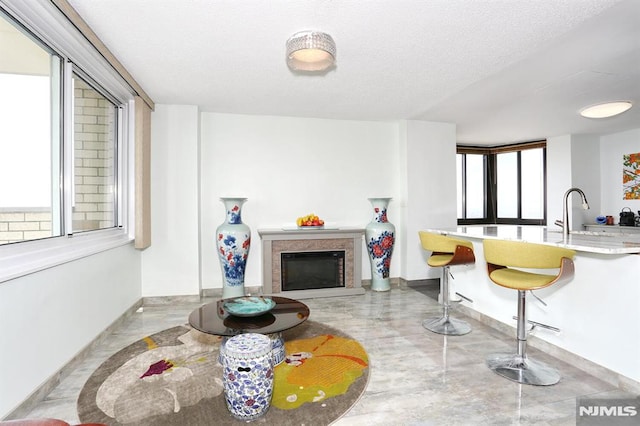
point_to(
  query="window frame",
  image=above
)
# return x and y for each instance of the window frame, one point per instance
(71, 74)
(53, 30)
(490, 183)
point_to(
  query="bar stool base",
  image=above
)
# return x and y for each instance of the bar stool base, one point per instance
(523, 370)
(449, 326)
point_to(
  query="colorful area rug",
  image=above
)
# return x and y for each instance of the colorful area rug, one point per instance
(173, 378)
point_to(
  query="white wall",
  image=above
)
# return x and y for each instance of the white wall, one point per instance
(288, 167)
(593, 164)
(573, 161)
(46, 318)
(558, 175)
(170, 265)
(585, 174)
(429, 159)
(612, 148)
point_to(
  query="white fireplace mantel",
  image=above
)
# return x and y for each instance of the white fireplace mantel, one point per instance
(288, 240)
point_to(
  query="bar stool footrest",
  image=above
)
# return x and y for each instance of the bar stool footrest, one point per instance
(447, 325)
(522, 369)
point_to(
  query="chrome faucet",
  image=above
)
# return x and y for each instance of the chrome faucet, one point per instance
(565, 210)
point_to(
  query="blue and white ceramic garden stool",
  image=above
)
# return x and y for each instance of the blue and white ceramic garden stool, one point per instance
(277, 348)
(247, 364)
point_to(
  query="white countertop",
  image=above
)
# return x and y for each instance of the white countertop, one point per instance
(585, 241)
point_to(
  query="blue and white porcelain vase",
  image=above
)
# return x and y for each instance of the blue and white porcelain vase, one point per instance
(233, 240)
(380, 237)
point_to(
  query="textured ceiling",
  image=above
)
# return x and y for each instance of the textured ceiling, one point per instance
(502, 70)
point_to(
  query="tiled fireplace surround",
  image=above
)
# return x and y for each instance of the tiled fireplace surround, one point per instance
(277, 241)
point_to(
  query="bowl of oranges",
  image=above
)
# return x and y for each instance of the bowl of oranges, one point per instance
(309, 221)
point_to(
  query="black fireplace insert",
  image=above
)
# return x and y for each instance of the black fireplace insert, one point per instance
(312, 270)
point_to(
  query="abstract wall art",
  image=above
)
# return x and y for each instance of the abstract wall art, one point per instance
(631, 176)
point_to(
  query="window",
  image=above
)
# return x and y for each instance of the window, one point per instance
(66, 121)
(471, 187)
(505, 185)
(94, 154)
(29, 137)
(38, 183)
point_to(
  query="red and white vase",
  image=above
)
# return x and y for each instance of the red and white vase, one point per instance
(233, 240)
(380, 238)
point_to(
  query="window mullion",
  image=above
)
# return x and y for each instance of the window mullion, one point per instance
(120, 172)
(464, 185)
(57, 126)
(68, 184)
(491, 185)
(519, 184)
(544, 185)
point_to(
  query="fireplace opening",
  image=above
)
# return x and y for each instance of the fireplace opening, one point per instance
(312, 270)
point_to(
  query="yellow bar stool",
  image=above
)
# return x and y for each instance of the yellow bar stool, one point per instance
(446, 251)
(504, 258)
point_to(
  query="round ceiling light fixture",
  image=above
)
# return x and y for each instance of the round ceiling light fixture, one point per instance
(605, 110)
(311, 51)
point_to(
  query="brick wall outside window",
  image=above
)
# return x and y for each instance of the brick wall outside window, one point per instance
(24, 224)
(93, 163)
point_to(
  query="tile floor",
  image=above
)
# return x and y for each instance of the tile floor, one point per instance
(417, 377)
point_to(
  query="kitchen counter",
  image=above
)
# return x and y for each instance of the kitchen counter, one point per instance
(582, 241)
(598, 311)
(612, 228)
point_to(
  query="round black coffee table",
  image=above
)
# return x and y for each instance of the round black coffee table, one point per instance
(212, 318)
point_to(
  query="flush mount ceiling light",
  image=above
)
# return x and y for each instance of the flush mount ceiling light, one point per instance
(311, 51)
(605, 110)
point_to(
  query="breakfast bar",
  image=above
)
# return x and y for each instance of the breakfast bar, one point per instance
(620, 242)
(598, 312)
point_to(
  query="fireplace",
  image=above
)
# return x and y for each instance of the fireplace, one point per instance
(312, 270)
(305, 263)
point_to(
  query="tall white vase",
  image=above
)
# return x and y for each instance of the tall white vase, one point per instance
(380, 238)
(233, 240)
